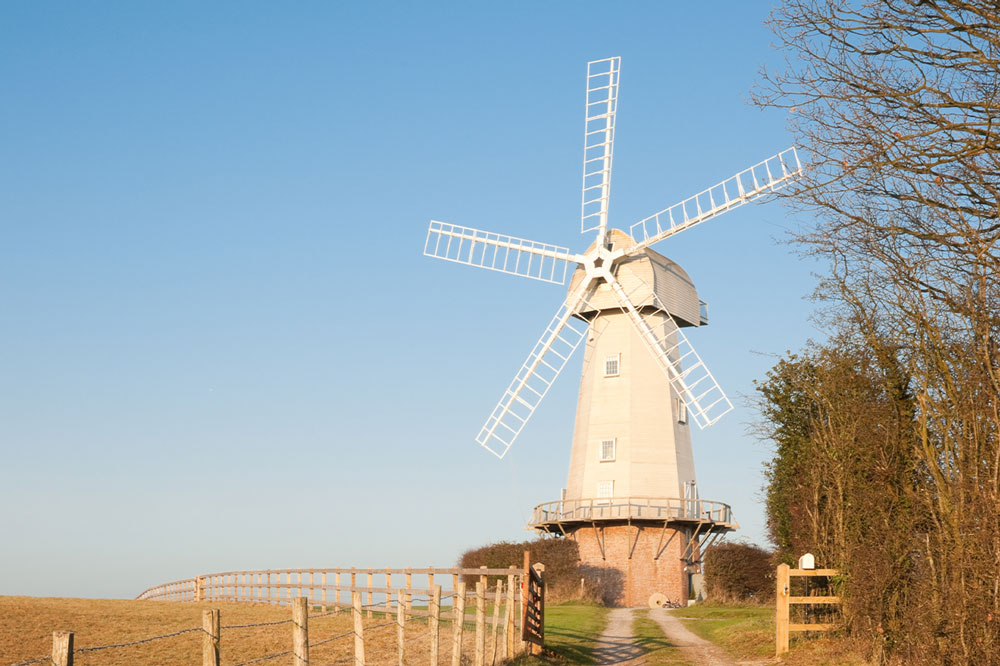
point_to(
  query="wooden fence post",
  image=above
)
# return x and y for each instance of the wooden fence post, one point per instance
(359, 629)
(459, 613)
(510, 631)
(781, 610)
(211, 638)
(62, 648)
(401, 628)
(388, 594)
(409, 594)
(480, 653)
(434, 623)
(525, 590)
(504, 633)
(496, 620)
(300, 631)
(540, 569)
(354, 577)
(371, 584)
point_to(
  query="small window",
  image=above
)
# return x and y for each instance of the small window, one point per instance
(611, 364)
(605, 489)
(607, 450)
(681, 409)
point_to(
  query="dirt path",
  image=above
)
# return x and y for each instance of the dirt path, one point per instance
(691, 646)
(616, 645)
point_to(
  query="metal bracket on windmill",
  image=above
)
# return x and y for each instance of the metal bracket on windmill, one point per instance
(688, 375)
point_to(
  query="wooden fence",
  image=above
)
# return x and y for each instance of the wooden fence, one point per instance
(784, 601)
(492, 645)
(328, 588)
(368, 602)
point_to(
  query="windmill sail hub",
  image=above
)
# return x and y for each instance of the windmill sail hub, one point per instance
(652, 281)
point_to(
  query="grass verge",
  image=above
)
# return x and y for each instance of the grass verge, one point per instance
(747, 633)
(657, 650)
(744, 631)
(572, 631)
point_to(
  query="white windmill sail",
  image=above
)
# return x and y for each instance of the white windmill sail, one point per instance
(547, 358)
(686, 372)
(763, 178)
(498, 252)
(599, 142)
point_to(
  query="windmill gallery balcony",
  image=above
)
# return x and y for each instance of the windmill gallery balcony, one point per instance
(562, 515)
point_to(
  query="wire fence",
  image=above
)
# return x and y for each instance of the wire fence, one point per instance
(423, 636)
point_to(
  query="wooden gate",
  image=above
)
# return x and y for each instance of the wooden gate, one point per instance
(784, 601)
(533, 605)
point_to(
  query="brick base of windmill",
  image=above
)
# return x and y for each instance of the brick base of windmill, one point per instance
(647, 550)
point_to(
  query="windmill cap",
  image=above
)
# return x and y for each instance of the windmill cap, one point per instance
(644, 276)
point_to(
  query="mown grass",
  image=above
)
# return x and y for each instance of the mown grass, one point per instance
(657, 650)
(744, 631)
(572, 631)
(747, 633)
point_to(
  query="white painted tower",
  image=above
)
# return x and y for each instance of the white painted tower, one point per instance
(632, 433)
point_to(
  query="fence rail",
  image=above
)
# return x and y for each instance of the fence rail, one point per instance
(327, 587)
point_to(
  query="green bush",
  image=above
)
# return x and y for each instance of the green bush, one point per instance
(739, 572)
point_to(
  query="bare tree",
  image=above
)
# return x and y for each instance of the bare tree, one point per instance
(897, 104)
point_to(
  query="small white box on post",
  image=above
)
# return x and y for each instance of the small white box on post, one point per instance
(807, 561)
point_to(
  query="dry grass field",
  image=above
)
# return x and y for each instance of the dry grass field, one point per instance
(27, 623)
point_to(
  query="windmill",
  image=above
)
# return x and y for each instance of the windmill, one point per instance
(631, 463)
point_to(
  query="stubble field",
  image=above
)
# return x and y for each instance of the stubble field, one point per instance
(27, 623)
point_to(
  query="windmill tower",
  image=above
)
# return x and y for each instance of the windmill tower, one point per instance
(631, 500)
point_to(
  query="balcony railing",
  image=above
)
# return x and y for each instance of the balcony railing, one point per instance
(632, 508)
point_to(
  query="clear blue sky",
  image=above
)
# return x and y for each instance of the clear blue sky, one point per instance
(220, 344)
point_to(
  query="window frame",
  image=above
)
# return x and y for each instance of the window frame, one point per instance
(614, 450)
(681, 411)
(617, 359)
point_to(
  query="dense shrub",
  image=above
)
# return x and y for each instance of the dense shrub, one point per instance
(739, 572)
(560, 557)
